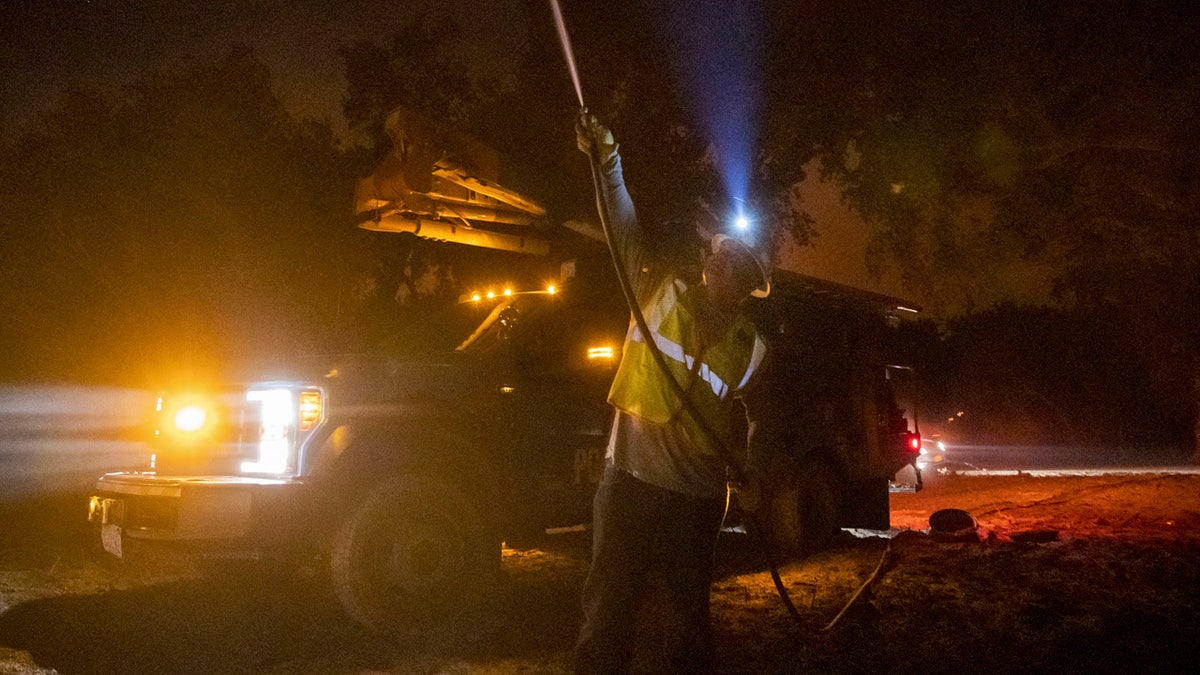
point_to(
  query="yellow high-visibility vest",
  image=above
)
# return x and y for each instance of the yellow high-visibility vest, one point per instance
(710, 378)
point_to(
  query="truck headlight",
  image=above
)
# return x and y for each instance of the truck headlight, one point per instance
(275, 436)
(283, 415)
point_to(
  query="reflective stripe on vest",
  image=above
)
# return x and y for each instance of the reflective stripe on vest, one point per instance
(639, 388)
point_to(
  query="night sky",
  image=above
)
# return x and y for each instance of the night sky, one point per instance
(48, 44)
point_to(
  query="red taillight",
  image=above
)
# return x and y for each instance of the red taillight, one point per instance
(914, 442)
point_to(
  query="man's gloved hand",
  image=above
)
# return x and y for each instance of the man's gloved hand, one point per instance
(594, 139)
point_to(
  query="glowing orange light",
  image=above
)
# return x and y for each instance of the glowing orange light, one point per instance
(190, 418)
(310, 409)
(600, 352)
(475, 297)
(551, 289)
(491, 294)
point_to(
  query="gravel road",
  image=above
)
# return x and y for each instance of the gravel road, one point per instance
(1063, 574)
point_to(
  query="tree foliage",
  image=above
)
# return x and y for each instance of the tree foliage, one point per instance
(1001, 155)
(969, 136)
(1027, 152)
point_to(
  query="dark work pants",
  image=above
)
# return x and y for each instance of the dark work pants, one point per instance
(642, 532)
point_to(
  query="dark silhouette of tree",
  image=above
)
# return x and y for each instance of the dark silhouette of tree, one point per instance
(1043, 153)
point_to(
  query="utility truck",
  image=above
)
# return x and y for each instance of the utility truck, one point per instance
(403, 470)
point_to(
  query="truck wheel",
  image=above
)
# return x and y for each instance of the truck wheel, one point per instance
(803, 508)
(412, 550)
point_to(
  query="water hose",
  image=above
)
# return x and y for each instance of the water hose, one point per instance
(689, 406)
(640, 320)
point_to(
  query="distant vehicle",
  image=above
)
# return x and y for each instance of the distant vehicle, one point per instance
(932, 456)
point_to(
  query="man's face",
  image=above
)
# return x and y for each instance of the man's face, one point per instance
(730, 275)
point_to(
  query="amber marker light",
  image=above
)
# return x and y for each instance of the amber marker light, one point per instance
(310, 409)
(190, 418)
(600, 352)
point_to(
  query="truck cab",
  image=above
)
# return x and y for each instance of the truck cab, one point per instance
(404, 467)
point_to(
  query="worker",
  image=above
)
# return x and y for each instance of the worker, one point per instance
(663, 495)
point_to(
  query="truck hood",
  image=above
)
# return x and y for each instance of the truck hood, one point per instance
(358, 378)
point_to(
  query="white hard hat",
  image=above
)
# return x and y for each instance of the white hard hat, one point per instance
(763, 289)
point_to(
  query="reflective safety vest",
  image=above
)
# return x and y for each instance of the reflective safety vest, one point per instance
(710, 374)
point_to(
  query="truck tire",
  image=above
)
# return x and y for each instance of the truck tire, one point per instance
(412, 550)
(803, 508)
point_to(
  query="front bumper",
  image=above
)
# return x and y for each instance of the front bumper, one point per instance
(206, 511)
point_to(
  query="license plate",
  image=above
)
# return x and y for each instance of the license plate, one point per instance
(110, 537)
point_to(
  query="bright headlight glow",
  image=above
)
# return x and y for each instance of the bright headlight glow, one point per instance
(741, 222)
(190, 418)
(274, 435)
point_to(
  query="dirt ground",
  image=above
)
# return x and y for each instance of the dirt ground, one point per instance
(1063, 574)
